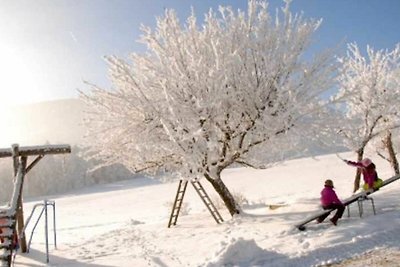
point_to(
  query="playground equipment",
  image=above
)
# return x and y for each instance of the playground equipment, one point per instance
(360, 204)
(12, 215)
(44, 210)
(357, 197)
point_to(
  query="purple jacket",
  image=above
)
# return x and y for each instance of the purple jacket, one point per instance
(369, 174)
(328, 196)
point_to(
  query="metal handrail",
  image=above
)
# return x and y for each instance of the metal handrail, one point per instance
(43, 210)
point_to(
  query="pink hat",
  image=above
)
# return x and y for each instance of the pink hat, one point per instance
(366, 162)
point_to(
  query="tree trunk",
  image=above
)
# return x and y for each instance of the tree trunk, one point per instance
(392, 154)
(360, 154)
(224, 193)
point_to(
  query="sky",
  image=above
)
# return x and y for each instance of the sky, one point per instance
(49, 48)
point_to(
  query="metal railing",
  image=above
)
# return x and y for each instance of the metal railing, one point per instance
(44, 210)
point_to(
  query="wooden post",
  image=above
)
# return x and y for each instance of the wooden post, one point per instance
(20, 209)
(15, 156)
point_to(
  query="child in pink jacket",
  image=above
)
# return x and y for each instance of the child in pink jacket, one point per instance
(329, 200)
(369, 173)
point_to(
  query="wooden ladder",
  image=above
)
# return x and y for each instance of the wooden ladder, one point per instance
(207, 201)
(203, 195)
(177, 203)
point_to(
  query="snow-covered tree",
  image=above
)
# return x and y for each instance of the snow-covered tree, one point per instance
(369, 87)
(207, 96)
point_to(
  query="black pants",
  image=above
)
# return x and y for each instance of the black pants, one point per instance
(339, 211)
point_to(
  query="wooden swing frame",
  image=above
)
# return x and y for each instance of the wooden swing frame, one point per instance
(20, 159)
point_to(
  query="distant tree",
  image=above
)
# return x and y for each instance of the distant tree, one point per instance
(205, 97)
(387, 148)
(370, 91)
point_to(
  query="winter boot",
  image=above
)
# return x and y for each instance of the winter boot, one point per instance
(334, 220)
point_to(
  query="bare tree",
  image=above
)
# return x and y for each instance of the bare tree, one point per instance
(205, 97)
(386, 146)
(389, 147)
(369, 88)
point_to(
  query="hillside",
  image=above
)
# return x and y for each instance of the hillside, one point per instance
(58, 121)
(125, 223)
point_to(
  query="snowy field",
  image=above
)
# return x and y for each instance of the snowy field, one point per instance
(125, 223)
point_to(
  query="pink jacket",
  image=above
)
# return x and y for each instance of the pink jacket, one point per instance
(369, 174)
(328, 196)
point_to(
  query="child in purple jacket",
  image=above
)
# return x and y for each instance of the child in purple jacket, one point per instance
(369, 173)
(329, 200)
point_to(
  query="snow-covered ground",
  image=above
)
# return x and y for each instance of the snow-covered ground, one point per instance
(125, 223)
